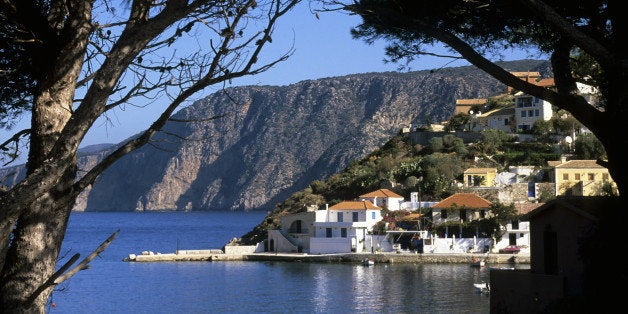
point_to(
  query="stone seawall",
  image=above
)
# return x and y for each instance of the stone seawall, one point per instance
(459, 258)
(336, 258)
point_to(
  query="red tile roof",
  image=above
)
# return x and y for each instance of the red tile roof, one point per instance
(382, 193)
(355, 205)
(463, 199)
(524, 208)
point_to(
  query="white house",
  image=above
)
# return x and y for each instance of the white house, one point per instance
(529, 109)
(501, 119)
(517, 232)
(347, 227)
(384, 198)
(344, 227)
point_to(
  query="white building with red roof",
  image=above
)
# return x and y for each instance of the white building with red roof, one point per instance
(460, 207)
(344, 228)
(384, 198)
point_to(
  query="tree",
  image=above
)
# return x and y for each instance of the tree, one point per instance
(587, 146)
(458, 122)
(584, 40)
(491, 141)
(71, 62)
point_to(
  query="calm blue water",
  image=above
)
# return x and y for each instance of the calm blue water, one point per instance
(114, 286)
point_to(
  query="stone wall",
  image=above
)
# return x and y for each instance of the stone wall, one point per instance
(240, 249)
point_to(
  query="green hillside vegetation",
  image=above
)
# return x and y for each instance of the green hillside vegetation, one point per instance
(432, 169)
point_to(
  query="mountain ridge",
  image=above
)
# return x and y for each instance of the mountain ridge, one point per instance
(274, 140)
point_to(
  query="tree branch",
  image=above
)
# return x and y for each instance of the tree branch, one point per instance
(61, 275)
(578, 38)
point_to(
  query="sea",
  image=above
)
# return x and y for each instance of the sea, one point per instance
(111, 285)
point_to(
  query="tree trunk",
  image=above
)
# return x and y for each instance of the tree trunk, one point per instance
(38, 234)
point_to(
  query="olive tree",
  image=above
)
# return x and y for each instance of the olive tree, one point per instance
(70, 62)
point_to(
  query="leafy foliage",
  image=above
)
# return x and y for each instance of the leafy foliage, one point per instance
(587, 146)
(458, 122)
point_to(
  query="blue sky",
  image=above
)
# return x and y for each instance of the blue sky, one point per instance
(323, 48)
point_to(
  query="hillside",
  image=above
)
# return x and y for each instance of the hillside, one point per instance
(271, 141)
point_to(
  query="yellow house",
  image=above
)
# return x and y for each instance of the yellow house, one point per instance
(580, 177)
(479, 177)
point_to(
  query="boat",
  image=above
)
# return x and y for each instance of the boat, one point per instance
(482, 287)
(368, 262)
(478, 263)
(502, 268)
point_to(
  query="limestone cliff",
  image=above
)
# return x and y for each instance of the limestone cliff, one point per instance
(270, 141)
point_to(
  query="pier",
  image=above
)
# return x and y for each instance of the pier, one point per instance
(389, 257)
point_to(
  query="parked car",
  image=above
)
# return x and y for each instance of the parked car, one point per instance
(511, 249)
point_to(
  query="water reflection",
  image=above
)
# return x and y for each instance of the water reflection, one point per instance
(395, 288)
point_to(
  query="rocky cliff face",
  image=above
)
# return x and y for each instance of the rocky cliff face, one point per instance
(266, 142)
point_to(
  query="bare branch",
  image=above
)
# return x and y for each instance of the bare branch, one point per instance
(61, 275)
(15, 139)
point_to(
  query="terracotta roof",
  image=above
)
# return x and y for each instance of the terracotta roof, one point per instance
(546, 82)
(355, 205)
(463, 199)
(534, 78)
(382, 193)
(524, 208)
(578, 163)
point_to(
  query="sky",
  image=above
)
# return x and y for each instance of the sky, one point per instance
(323, 48)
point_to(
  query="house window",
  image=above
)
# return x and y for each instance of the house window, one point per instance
(482, 213)
(463, 215)
(531, 189)
(355, 216)
(537, 113)
(605, 176)
(506, 121)
(443, 214)
(591, 176)
(340, 219)
(577, 176)
(343, 232)
(565, 176)
(523, 113)
(373, 215)
(328, 232)
(525, 102)
(515, 224)
(530, 113)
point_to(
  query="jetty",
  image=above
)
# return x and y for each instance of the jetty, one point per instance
(243, 253)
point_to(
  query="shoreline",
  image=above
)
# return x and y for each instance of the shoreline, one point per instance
(389, 258)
